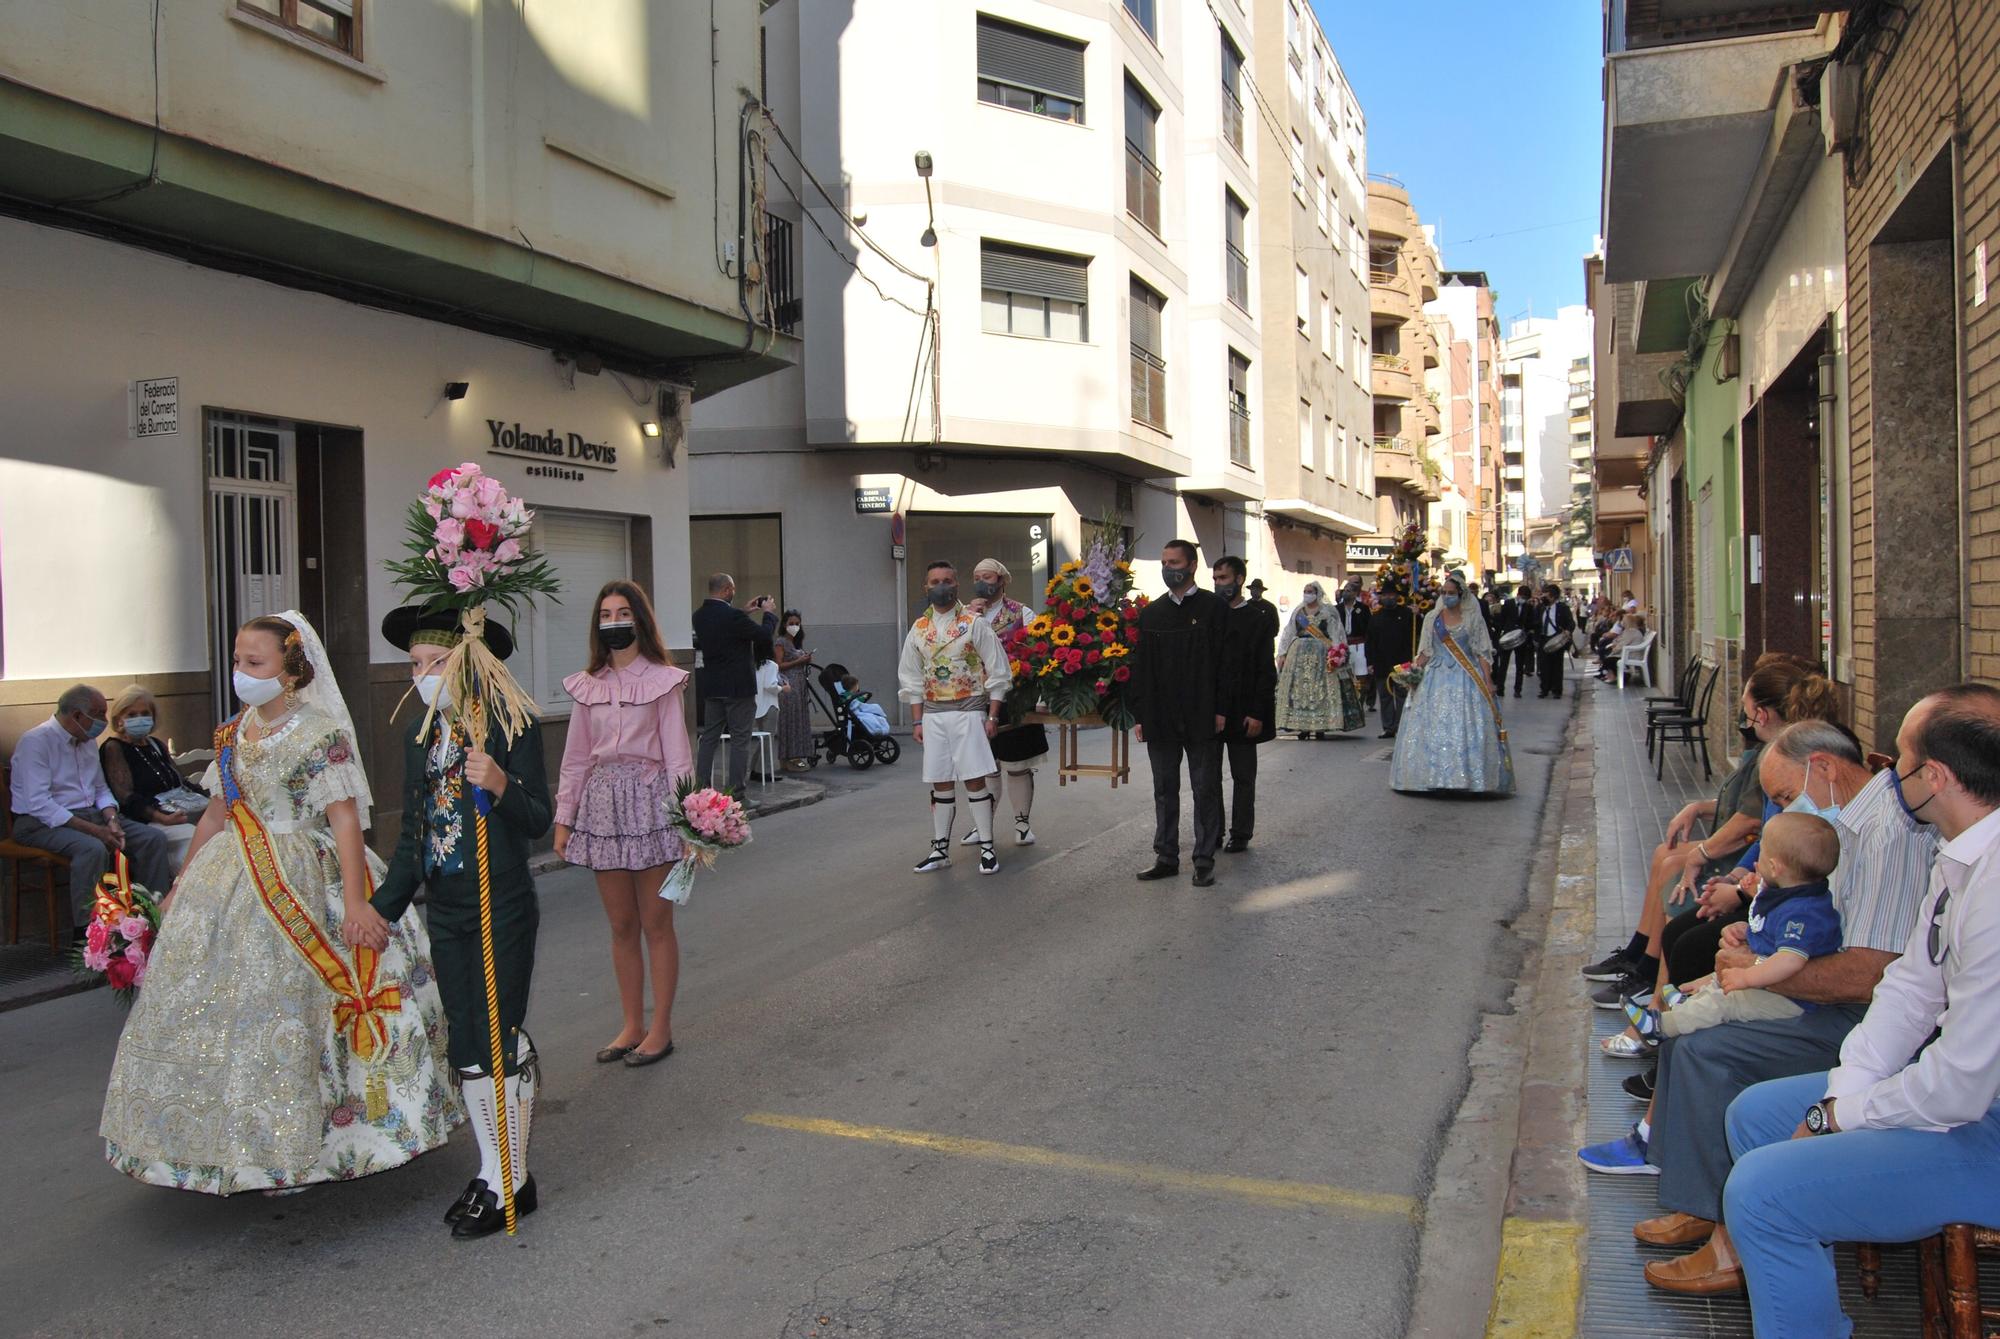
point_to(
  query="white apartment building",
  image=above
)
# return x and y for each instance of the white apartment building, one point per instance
(1544, 351)
(393, 238)
(1091, 236)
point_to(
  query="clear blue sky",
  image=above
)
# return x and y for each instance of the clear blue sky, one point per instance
(1490, 112)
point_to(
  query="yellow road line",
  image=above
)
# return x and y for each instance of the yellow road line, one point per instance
(1538, 1282)
(1282, 1194)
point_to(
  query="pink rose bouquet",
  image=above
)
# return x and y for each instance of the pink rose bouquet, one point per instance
(709, 823)
(1336, 657)
(466, 537)
(118, 943)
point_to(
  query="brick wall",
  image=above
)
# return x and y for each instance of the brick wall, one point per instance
(1907, 113)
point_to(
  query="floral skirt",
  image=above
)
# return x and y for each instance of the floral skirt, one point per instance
(621, 819)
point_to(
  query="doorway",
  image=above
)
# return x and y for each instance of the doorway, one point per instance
(964, 538)
(253, 534)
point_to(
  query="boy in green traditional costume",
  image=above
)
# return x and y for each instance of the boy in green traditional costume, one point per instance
(442, 769)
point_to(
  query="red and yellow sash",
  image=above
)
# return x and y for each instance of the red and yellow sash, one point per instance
(360, 1007)
(114, 900)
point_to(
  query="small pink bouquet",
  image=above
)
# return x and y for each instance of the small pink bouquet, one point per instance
(1336, 657)
(467, 538)
(709, 823)
(118, 943)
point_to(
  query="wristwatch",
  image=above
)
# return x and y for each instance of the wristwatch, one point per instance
(1819, 1117)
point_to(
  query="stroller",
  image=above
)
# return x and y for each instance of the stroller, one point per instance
(852, 737)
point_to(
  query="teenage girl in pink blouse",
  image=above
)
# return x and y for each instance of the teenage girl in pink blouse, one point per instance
(628, 745)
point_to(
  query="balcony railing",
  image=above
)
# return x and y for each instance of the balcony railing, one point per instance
(1391, 444)
(1391, 362)
(1239, 436)
(1232, 119)
(780, 284)
(1142, 187)
(1239, 275)
(1383, 274)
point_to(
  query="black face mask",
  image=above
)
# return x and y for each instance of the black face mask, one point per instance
(1749, 733)
(617, 636)
(1228, 590)
(1176, 577)
(985, 590)
(944, 595)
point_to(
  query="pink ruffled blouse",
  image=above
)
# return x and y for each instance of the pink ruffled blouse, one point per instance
(637, 714)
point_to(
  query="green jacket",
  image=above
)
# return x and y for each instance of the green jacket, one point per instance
(522, 814)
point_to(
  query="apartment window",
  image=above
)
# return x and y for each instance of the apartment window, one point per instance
(1303, 285)
(335, 23)
(1149, 362)
(1030, 70)
(1235, 225)
(1360, 356)
(1306, 427)
(1339, 435)
(1142, 156)
(1298, 168)
(1323, 209)
(1239, 409)
(1041, 294)
(1339, 341)
(1232, 93)
(1146, 13)
(1325, 326)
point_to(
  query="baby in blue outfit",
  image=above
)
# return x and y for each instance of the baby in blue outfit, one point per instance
(1792, 921)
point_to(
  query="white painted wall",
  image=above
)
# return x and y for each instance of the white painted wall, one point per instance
(102, 548)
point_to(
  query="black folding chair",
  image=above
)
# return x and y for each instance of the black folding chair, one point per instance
(1690, 729)
(1680, 704)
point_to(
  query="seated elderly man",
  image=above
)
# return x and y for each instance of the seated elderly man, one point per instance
(1902, 1137)
(1885, 862)
(61, 802)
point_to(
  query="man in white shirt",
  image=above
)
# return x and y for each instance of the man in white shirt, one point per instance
(1904, 1136)
(61, 803)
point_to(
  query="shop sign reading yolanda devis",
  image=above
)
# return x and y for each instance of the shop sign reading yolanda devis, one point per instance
(567, 454)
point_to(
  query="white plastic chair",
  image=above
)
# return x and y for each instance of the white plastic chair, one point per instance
(760, 742)
(1638, 659)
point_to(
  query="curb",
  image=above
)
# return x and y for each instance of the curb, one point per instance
(1501, 1246)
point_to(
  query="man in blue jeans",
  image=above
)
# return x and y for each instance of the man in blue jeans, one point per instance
(1903, 1137)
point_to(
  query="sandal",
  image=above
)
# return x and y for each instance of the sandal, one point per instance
(1622, 1047)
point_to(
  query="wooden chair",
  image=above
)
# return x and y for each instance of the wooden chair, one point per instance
(1947, 1280)
(47, 864)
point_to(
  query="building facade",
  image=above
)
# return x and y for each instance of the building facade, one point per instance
(1403, 276)
(1472, 438)
(228, 378)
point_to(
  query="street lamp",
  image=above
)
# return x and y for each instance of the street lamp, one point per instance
(930, 241)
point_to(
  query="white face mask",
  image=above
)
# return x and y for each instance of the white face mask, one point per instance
(252, 691)
(430, 687)
(791, 629)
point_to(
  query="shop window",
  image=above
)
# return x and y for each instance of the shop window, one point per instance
(333, 23)
(586, 549)
(1019, 540)
(749, 548)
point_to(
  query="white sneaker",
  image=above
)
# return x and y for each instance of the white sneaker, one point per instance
(939, 857)
(1023, 834)
(989, 863)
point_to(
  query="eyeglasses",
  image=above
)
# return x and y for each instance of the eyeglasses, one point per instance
(1937, 945)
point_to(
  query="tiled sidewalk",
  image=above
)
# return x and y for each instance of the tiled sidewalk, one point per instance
(1632, 812)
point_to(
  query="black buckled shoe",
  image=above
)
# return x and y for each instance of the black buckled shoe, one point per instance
(485, 1215)
(473, 1190)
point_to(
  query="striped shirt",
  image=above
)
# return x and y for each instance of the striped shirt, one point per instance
(1884, 870)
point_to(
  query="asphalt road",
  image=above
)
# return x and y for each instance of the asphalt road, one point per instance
(1056, 1102)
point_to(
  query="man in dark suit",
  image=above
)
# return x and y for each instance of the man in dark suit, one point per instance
(1506, 618)
(1177, 696)
(728, 645)
(1351, 611)
(1392, 639)
(442, 768)
(1554, 622)
(1249, 694)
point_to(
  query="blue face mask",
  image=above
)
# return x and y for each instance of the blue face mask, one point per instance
(138, 727)
(1449, 601)
(1805, 804)
(1896, 780)
(92, 727)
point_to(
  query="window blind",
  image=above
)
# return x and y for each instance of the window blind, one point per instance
(1025, 58)
(1040, 274)
(1147, 310)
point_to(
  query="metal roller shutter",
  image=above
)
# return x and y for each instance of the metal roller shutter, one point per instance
(1025, 58)
(1039, 274)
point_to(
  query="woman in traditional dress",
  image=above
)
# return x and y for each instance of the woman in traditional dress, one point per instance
(1451, 737)
(1020, 748)
(794, 736)
(1313, 697)
(627, 749)
(285, 1032)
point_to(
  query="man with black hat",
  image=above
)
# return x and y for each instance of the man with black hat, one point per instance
(1249, 691)
(442, 770)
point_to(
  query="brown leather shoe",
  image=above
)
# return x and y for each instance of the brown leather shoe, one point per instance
(1673, 1229)
(1712, 1269)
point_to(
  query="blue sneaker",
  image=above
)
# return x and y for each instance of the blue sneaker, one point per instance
(1619, 1157)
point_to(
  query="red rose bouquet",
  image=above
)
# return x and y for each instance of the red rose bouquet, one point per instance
(124, 921)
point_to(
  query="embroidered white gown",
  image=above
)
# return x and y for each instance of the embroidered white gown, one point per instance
(231, 1074)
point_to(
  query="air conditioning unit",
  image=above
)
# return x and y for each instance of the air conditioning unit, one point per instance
(1839, 105)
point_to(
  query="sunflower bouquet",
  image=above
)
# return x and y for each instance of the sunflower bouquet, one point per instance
(1075, 658)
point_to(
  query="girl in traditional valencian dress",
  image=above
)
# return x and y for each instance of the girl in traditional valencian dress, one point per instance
(285, 1033)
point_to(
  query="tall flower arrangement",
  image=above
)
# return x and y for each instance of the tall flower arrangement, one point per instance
(1404, 573)
(465, 538)
(1076, 656)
